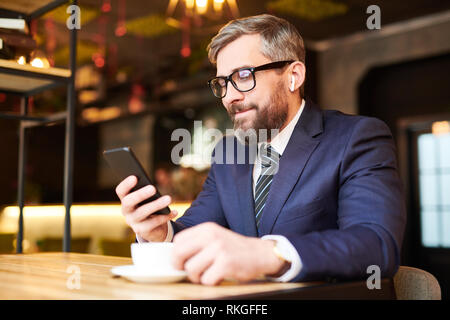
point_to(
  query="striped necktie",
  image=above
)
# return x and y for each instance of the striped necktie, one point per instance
(269, 167)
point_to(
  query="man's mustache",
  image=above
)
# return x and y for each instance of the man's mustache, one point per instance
(234, 108)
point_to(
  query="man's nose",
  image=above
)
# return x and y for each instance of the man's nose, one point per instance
(233, 95)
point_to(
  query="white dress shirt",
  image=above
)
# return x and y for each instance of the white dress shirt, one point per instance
(279, 143)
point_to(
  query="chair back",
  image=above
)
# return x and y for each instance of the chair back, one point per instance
(416, 284)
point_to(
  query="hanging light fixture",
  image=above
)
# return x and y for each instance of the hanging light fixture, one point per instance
(121, 28)
(218, 5)
(202, 6)
(106, 6)
(205, 15)
(203, 9)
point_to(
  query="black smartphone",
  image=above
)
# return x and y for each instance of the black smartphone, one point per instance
(124, 163)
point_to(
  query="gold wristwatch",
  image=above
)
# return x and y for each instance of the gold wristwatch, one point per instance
(283, 256)
(279, 252)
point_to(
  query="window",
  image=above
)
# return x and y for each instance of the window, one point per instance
(434, 187)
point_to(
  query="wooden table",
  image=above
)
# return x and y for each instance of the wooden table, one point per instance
(50, 276)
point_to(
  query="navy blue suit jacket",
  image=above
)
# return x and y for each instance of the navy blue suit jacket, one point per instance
(337, 196)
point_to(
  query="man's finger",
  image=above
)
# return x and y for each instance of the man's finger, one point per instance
(147, 226)
(144, 211)
(200, 262)
(131, 200)
(125, 186)
(183, 250)
(213, 275)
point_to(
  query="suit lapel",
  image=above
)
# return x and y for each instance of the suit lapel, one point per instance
(245, 196)
(298, 150)
(243, 175)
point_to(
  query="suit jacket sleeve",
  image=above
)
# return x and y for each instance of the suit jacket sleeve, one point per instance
(371, 212)
(206, 207)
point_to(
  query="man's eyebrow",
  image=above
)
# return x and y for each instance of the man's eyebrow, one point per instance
(236, 69)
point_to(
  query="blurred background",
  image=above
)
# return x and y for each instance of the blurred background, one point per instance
(141, 73)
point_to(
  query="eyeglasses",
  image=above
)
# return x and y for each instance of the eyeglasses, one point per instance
(242, 79)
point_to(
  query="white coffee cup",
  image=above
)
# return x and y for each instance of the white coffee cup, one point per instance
(152, 255)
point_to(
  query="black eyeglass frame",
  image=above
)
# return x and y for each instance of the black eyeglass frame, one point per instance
(268, 66)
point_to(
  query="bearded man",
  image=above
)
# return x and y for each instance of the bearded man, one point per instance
(320, 198)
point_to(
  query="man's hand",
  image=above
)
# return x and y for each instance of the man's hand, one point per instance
(141, 219)
(210, 253)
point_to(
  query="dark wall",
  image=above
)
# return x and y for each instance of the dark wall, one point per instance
(414, 88)
(45, 163)
(311, 75)
(9, 141)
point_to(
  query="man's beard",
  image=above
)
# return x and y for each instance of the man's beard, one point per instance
(269, 118)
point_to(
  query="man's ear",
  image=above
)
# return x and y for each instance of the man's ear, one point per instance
(298, 71)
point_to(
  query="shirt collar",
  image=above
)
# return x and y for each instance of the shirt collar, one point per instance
(281, 140)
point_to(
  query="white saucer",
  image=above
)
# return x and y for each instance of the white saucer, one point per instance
(131, 272)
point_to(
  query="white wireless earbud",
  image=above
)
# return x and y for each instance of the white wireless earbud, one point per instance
(292, 84)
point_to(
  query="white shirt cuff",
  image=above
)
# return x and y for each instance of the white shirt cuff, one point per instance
(290, 254)
(168, 238)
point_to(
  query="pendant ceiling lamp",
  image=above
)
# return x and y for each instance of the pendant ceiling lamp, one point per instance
(201, 17)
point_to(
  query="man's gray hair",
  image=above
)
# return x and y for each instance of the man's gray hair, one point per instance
(280, 39)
